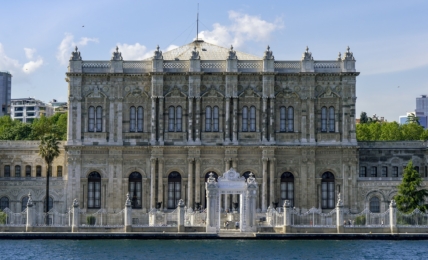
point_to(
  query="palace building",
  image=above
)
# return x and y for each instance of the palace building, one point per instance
(157, 128)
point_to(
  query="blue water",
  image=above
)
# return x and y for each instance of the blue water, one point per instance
(212, 249)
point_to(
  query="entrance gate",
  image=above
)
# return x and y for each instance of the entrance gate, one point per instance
(232, 183)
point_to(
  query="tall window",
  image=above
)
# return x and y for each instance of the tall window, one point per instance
(175, 119)
(4, 203)
(384, 171)
(290, 119)
(174, 189)
(323, 119)
(99, 118)
(38, 171)
(50, 206)
(59, 171)
(28, 171)
(245, 119)
(136, 118)
(395, 171)
(94, 190)
(252, 119)
(331, 120)
(91, 119)
(7, 171)
(17, 171)
(211, 119)
(95, 119)
(373, 171)
(327, 191)
(24, 202)
(375, 205)
(287, 188)
(282, 119)
(135, 189)
(363, 171)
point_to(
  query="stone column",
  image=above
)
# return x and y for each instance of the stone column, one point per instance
(235, 166)
(190, 129)
(264, 185)
(76, 217)
(226, 196)
(70, 124)
(198, 120)
(160, 183)
(393, 217)
(272, 120)
(153, 122)
(227, 121)
(152, 183)
(198, 181)
(180, 216)
(190, 182)
(287, 216)
(264, 119)
(339, 214)
(161, 121)
(272, 181)
(211, 189)
(79, 122)
(235, 121)
(128, 214)
(30, 214)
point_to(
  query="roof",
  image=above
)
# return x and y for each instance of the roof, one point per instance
(207, 51)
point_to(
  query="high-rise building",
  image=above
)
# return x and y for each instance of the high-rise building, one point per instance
(5, 92)
(422, 110)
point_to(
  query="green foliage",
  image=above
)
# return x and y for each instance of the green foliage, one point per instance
(90, 220)
(49, 148)
(360, 220)
(16, 130)
(410, 195)
(412, 119)
(363, 118)
(3, 217)
(390, 131)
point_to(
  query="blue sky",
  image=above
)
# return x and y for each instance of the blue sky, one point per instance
(388, 38)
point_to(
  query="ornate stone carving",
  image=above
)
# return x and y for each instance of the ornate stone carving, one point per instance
(116, 55)
(232, 54)
(307, 55)
(75, 55)
(195, 54)
(157, 54)
(268, 54)
(348, 55)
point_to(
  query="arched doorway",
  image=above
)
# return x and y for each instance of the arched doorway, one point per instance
(287, 188)
(135, 189)
(174, 189)
(327, 191)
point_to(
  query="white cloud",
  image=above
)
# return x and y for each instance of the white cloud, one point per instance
(7, 63)
(67, 44)
(137, 51)
(29, 53)
(243, 28)
(31, 66)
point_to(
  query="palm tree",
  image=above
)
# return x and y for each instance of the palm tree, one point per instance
(412, 119)
(48, 150)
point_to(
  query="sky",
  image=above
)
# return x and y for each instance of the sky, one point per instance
(388, 38)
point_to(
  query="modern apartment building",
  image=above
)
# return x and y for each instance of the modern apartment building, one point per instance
(5, 92)
(27, 109)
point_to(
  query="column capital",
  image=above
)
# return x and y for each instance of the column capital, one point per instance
(227, 159)
(189, 160)
(161, 160)
(153, 160)
(265, 159)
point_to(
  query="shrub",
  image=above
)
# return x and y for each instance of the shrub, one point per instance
(360, 220)
(90, 220)
(3, 217)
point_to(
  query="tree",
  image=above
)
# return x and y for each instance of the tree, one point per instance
(363, 118)
(412, 119)
(390, 132)
(48, 150)
(410, 195)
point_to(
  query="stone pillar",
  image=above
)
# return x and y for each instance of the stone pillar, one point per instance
(211, 188)
(190, 182)
(393, 217)
(70, 124)
(235, 166)
(198, 120)
(152, 183)
(235, 121)
(226, 196)
(198, 181)
(161, 121)
(180, 216)
(272, 120)
(190, 129)
(264, 119)
(30, 214)
(272, 181)
(76, 217)
(128, 214)
(339, 214)
(287, 216)
(227, 121)
(153, 122)
(160, 183)
(264, 185)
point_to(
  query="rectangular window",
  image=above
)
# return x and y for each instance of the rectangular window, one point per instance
(28, 171)
(395, 171)
(373, 172)
(323, 119)
(17, 171)
(7, 171)
(30, 113)
(384, 171)
(99, 119)
(59, 171)
(38, 171)
(30, 108)
(363, 172)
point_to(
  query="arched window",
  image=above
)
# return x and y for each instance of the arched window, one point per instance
(327, 191)
(135, 189)
(174, 189)
(373, 171)
(7, 171)
(50, 206)
(384, 171)
(375, 205)
(94, 190)
(24, 202)
(17, 171)
(171, 119)
(208, 119)
(91, 119)
(4, 203)
(245, 119)
(215, 119)
(38, 171)
(99, 117)
(132, 119)
(363, 171)
(28, 171)
(395, 171)
(252, 119)
(331, 121)
(207, 175)
(290, 119)
(282, 119)
(287, 188)
(178, 122)
(140, 119)
(59, 171)
(323, 119)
